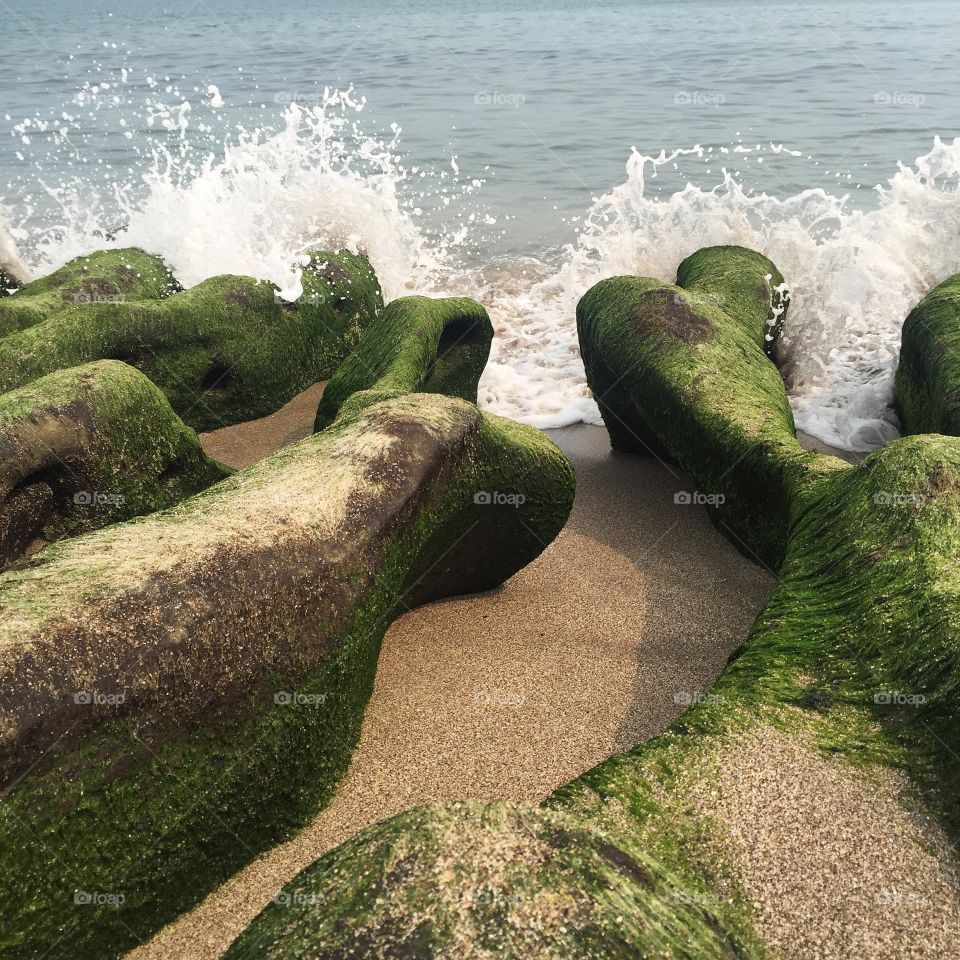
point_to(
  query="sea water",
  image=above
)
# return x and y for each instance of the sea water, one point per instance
(514, 152)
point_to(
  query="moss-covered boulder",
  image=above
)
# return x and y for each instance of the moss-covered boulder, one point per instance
(496, 881)
(744, 284)
(855, 656)
(418, 345)
(89, 446)
(681, 372)
(105, 277)
(928, 373)
(182, 690)
(227, 350)
(871, 577)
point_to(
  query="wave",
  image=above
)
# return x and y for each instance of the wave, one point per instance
(853, 274)
(258, 204)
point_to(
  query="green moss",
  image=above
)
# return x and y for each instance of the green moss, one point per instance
(159, 816)
(744, 284)
(225, 351)
(89, 446)
(162, 803)
(857, 645)
(108, 276)
(494, 880)
(856, 653)
(682, 374)
(418, 345)
(928, 372)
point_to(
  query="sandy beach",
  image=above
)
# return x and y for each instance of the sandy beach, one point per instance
(503, 512)
(600, 643)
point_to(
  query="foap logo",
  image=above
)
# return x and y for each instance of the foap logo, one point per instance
(697, 899)
(890, 896)
(90, 296)
(497, 899)
(94, 698)
(288, 97)
(699, 98)
(499, 698)
(681, 301)
(494, 498)
(494, 98)
(689, 698)
(100, 95)
(291, 698)
(95, 898)
(696, 498)
(896, 698)
(899, 98)
(92, 498)
(286, 898)
(885, 498)
(305, 300)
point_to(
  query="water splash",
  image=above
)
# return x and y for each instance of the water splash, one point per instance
(11, 262)
(214, 199)
(258, 205)
(853, 274)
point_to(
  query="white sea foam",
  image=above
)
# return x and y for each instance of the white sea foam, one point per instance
(256, 206)
(854, 275)
(11, 262)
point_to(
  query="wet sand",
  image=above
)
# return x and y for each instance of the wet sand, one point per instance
(244, 444)
(597, 645)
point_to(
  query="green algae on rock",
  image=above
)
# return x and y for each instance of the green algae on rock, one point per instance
(928, 372)
(89, 446)
(192, 682)
(105, 277)
(681, 372)
(227, 350)
(498, 881)
(744, 284)
(418, 345)
(862, 552)
(855, 654)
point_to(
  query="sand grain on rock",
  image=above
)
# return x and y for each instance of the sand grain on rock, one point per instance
(596, 645)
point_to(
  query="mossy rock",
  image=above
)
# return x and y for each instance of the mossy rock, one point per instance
(680, 372)
(418, 345)
(744, 284)
(225, 351)
(184, 690)
(105, 277)
(492, 881)
(8, 283)
(871, 577)
(89, 446)
(856, 652)
(928, 373)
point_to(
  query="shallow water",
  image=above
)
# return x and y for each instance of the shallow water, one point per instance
(488, 150)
